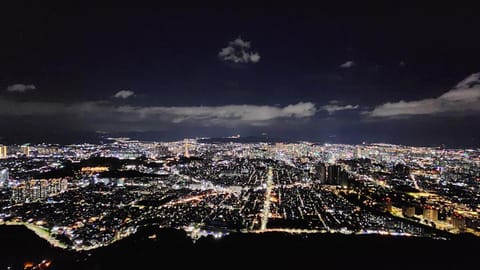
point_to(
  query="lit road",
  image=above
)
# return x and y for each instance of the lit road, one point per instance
(292, 231)
(318, 213)
(266, 204)
(414, 181)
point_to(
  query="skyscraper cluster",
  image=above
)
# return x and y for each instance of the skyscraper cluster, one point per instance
(331, 175)
(35, 190)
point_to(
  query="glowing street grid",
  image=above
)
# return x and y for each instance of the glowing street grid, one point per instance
(220, 188)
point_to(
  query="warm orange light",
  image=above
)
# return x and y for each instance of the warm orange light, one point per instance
(97, 169)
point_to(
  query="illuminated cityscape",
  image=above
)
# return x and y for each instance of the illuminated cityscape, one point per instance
(236, 134)
(86, 196)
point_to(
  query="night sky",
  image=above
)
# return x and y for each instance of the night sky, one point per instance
(348, 74)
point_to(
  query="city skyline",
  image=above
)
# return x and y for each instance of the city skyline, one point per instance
(219, 188)
(398, 75)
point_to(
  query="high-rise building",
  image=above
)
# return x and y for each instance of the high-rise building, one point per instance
(3, 151)
(37, 190)
(46, 150)
(25, 149)
(4, 178)
(333, 176)
(388, 204)
(186, 153)
(344, 178)
(401, 170)
(458, 222)
(321, 173)
(358, 152)
(408, 211)
(430, 213)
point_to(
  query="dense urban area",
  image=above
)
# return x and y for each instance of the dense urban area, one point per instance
(85, 196)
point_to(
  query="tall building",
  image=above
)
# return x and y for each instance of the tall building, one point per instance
(333, 176)
(3, 151)
(430, 213)
(458, 222)
(388, 204)
(4, 178)
(401, 170)
(25, 149)
(344, 179)
(321, 173)
(37, 190)
(186, 145)
(408, 211)
(358, 152)
(47, 150)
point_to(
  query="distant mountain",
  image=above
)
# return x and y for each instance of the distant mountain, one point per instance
(246, 139)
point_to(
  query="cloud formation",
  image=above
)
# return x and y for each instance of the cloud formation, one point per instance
(228, 114)
(335, 106)
(463, 98)
(124, 94)
(20, 87)
(105, 114)
(347, 64)
(238, 51)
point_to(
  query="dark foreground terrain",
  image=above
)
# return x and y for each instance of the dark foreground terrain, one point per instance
(172, 249)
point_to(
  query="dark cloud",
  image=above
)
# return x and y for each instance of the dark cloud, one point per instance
(463, 98)
(20, 87)
(347, 64)
(103, 115)
(124, 94)
(239, 51)
(335, 106)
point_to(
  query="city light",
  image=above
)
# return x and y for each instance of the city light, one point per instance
(94, 195)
